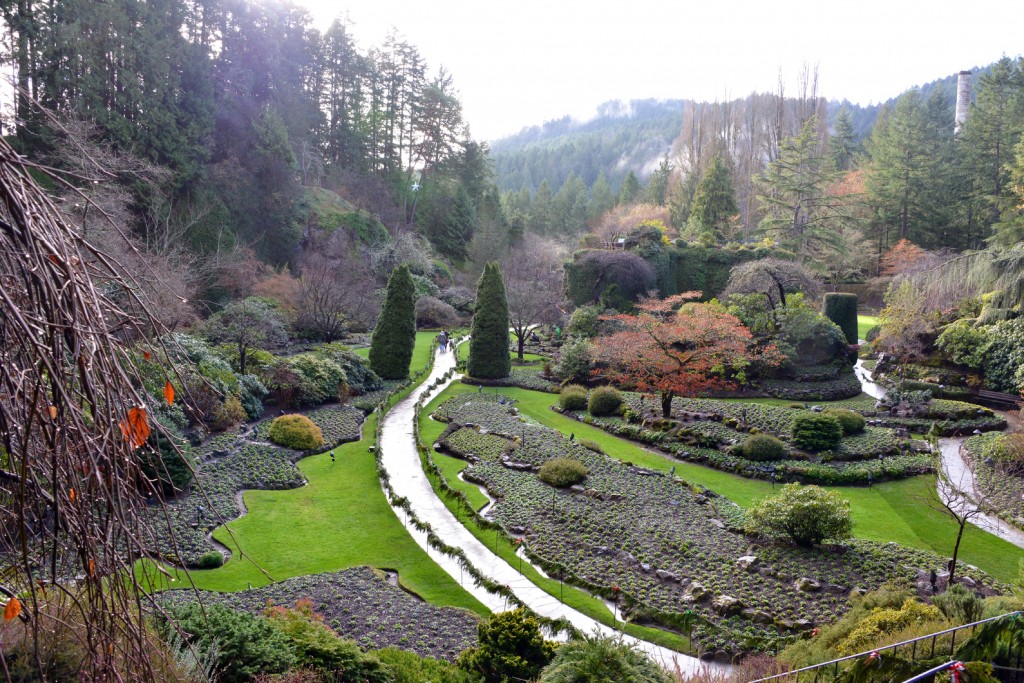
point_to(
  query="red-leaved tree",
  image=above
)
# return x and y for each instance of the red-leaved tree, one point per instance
(678, 348)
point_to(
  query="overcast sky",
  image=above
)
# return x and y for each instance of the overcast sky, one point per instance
(521, 63)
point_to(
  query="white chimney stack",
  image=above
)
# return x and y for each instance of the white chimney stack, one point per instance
(963, 100)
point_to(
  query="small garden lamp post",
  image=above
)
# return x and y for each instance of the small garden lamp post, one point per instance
(688, 617)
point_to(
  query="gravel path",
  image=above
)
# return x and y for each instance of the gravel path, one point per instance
(402, 462)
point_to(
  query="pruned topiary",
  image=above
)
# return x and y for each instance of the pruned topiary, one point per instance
(488, 343)
(395, 334)
(562, 472)
(296, 431)
(841, 309)
(816, 431)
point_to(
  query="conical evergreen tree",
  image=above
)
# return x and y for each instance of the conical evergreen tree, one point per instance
(395, 333)
(488, 347)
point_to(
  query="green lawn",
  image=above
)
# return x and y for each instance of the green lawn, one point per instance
(527, 357)
(340, 519)
(865, 323)
(420, 353)
(891, 511)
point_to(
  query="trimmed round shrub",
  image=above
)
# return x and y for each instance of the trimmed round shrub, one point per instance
(296, 431)
(851, 422)
(573, 397)
(872, 333)
(604, 401)
(806, 515)
(511, 647)
(841, 309)
(210, 560)
(816, 431)
(592, 446)
(762, 447)
(562, 472)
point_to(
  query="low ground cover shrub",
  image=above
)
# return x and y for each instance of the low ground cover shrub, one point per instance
(360, 605)
(604, 401)
(816, 432)
(246, 644)
(573, 397)
(295, 431)
(562, 472)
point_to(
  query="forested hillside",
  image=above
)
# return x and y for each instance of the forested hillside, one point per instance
(635, 135)
(237, 136)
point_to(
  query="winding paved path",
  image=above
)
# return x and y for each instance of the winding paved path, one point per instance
(959, 474)
(402, 462)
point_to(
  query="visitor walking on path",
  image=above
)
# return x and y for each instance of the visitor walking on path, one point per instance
(442, 341)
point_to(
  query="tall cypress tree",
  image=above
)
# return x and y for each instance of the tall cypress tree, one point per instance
(395, 333)
(488, 347)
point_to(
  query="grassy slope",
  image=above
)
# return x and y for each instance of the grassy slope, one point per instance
(865, 323)
(340, 519)
(892, 511)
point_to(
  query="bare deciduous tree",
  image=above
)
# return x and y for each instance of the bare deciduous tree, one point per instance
(533, 287)
(72, 423)
(321, 304)
(775, 278)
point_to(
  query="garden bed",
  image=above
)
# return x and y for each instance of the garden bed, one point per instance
(1002, 490)
(707, 431)
(230, 463)
(670, 550)
(360, 605)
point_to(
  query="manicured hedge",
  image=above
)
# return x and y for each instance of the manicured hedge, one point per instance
(841, 309)
(816, 431)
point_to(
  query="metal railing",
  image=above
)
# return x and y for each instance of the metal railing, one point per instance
(832, 666)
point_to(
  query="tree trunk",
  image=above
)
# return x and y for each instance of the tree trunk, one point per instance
(666, 404)
(522, 342)
(956, 551)
(241, 359)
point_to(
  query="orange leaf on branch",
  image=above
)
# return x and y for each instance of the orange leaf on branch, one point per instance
(13, 609)
(136, 427)
(169, 392)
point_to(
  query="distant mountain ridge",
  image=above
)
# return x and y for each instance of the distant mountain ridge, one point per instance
(635, 136)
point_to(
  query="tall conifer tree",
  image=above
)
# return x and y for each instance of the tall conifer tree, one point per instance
(395, 333)
(488, 347)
